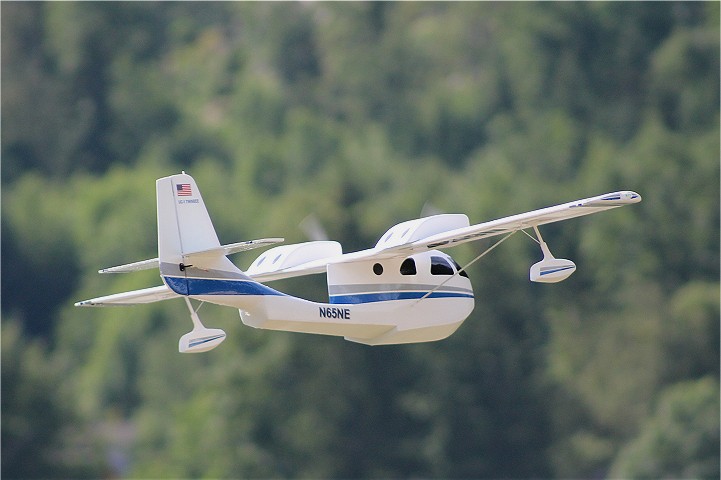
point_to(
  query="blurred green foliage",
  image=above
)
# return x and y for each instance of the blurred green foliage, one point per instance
(361, 114)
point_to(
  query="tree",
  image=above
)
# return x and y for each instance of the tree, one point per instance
(361, 113)
(35, 419)
(681, 438)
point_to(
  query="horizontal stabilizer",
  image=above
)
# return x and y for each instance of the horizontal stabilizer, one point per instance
(134, 297)
(132, 267)
(223, 250)
(234, 248)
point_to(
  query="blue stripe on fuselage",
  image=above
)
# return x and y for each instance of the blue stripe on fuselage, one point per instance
(176, 284)
(210, 286)
(386, 296)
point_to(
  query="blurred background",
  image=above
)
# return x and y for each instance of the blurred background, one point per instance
(359, 115)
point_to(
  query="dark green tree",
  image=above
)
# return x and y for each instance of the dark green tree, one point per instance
(681, 438)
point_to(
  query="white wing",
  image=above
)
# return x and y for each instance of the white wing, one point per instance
(521, 221)
(437, 232)
(135, 297)
(445, 231)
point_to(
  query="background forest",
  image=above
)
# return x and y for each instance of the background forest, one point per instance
(359, 114)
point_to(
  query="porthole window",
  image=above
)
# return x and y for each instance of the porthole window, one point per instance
(440, 266)
(408, 267)
(377, 268)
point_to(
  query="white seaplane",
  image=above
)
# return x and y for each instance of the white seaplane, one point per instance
(403, 290)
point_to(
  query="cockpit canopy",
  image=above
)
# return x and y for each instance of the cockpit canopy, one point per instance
(439, 265)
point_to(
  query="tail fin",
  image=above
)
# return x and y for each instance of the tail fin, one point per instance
(183, 221)
(184, 228)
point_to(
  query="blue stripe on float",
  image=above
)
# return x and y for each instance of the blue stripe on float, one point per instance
(386, 296)
(201, 341)
(546, 272)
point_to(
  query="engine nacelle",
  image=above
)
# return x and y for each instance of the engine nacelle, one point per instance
(551, 269)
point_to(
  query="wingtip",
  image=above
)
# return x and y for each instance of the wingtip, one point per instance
(87, 303)
(623, 197)
(631, 196)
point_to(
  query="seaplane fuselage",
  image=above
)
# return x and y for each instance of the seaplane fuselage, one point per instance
(419, 298)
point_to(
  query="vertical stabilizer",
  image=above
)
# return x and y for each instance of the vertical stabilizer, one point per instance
(184, 227)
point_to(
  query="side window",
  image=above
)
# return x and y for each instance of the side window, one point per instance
(439, 266)
(408, 267)
(462, 273)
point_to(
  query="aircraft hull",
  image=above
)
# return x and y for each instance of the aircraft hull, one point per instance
(379, 323)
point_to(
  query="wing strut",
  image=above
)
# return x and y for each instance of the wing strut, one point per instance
(488, 250)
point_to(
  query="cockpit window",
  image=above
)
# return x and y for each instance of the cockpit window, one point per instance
(462, 273)
(440, 266)
(408, 267)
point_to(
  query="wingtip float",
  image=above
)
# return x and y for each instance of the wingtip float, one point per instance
(403, 290)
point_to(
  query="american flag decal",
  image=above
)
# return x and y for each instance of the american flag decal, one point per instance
(184, 190)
